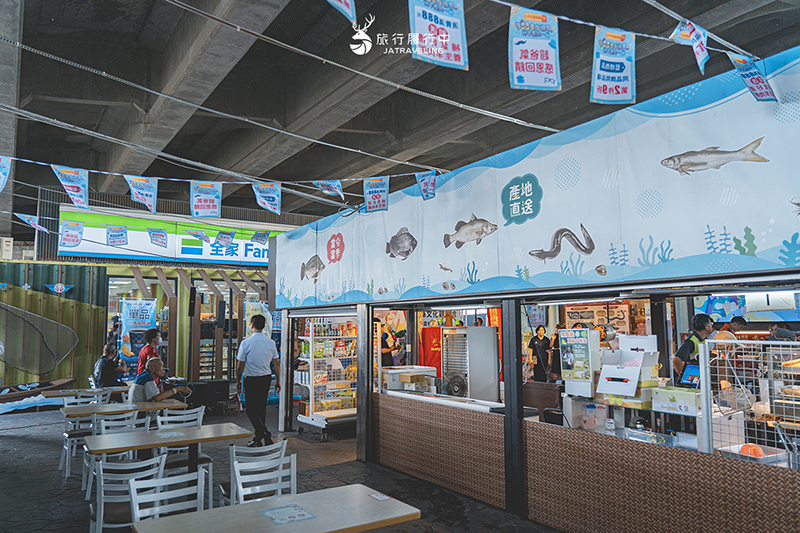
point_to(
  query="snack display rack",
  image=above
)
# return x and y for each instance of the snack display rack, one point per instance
(328, 370)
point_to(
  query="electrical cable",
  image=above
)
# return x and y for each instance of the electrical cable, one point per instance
(208, 109)
(324, 61)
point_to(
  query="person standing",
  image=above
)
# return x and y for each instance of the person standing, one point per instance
(539, 354)
(730, 329)
(152, 339)
(256, 353)
(702, 326)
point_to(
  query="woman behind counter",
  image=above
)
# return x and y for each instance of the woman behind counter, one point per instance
(539, 354)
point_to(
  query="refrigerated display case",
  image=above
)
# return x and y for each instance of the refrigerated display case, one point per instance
(328, 370)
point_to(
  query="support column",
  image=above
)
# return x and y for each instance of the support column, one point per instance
(364, 449)
(658, 323)
(512, 376)
(10, 58)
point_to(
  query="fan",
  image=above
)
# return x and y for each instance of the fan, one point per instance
(454, 383)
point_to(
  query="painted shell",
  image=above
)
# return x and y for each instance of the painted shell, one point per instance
(601, 269)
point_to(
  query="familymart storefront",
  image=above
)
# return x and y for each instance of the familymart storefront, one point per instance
(201, 280)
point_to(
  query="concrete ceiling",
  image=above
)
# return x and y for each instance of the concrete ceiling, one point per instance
(169, 50)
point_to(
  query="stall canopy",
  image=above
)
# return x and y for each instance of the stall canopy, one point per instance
(697, 183)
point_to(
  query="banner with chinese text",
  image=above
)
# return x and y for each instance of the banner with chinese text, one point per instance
(268, 196)
(427, 184)
(71, 234)
(533, 61)
(32, 221)
(376, 194)
(752, 77)
(613, 71)
(330, 187)
(346, 8)
(76, 184)
(206, 199)
(116, 235)
(440, 33)
(144, 191)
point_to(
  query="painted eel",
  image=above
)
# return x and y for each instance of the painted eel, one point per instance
(555, 244)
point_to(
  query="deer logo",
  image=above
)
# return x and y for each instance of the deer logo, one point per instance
(363, 42)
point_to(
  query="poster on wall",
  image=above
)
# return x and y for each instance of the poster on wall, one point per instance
(135, 318)
(536, 315)
(575, 354)
(533, 59)
(592, 206)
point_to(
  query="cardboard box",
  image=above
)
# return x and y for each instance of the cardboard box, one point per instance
(642, 400)
(418, 386)
(412, 377)
(676, 401)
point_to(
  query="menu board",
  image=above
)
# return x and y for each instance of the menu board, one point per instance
(589, 315)
(575, 354)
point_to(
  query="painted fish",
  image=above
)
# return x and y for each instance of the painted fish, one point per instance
(712, 157)
(555, 244)
(312, 269)
(401, 245)
(474, 230)
(448, 269)
(601, 269)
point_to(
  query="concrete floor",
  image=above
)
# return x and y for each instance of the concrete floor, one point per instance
(34, 496)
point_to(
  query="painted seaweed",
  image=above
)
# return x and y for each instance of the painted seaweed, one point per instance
(724, 242)
(572, 267)
(426, 282)
(400, 286)
(281, 287)
(749, 247)
(612, 255)
(623, 256)
(665, 252)
(790, 253)
(470, 273)
(371, 287)
(646, 259)
(523, 273)
(711, 240)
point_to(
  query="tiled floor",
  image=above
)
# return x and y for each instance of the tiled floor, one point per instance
(34, 496)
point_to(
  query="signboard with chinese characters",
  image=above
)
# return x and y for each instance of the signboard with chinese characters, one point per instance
(613, 71)
(268, 196)
(84, 234)
(206, 199)
(438, 29)
(522, 199)
(427, 184)
(376, 194)
(144, 191)
(752, 77)
(533, 61)
(576, 361)
(76, 184)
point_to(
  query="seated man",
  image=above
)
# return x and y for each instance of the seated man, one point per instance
(144, 387)
(106, 370)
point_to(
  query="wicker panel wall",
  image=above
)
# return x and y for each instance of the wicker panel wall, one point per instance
(585, 482)
(453, 447)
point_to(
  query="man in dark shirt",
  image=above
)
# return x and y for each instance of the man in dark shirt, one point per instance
(107, 370)
(703, 326)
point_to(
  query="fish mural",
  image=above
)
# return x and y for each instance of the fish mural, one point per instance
(448, 269)
(712, 157)
(473, 230)
(312, 269)
(555, 244)
(401, 245)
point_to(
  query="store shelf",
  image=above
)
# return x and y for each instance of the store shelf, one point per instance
(324, 338)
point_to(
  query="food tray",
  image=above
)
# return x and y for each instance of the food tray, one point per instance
(772, 456)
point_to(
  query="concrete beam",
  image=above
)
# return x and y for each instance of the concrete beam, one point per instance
(197, 58)
(10, 28)
(328, 97)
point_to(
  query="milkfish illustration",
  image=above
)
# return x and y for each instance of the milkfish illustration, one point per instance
(312, 269)
(474, 230)
(401, 245)
(555, 244)
(712, 157)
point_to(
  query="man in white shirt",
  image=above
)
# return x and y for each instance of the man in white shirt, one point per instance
(255, 354)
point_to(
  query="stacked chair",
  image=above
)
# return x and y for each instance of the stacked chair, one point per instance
(243, 454)
(75, 429)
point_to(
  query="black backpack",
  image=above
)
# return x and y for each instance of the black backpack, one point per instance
(98, 371)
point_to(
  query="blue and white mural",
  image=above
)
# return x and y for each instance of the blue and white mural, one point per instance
(697, 182)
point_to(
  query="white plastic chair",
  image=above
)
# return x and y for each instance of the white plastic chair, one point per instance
(178, 456)
(243, 454)
(99, 396)
(113, 505)
(151, 498)
(259, 480)
(75, 429)
(104, 425)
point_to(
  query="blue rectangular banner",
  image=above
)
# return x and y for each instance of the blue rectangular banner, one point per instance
(438, 33)
(268, 196)
(376, 194)
(614, 68)
(533, 50)
(206, 199)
